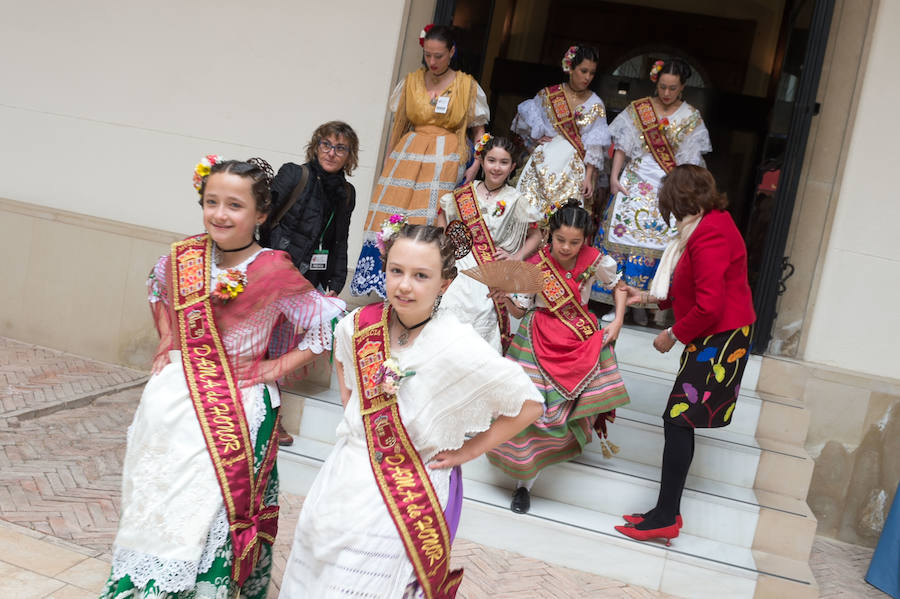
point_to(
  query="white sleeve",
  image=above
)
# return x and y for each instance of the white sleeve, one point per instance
(394, 102)
(596, 139)
(693, 146)
(448, 205)
(531, 120)
(626, 135)
(482, 111)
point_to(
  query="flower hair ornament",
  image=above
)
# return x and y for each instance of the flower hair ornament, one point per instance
(479, 145)
(389, 228)
(203, 167)
(655, 69)
(424, 32)
(568, 58)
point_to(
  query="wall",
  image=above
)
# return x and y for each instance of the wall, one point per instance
(108, 105)
(854, 320)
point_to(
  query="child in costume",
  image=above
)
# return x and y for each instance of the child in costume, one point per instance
(503, 227)
(199, 487)
(381, 514)
(568, 357)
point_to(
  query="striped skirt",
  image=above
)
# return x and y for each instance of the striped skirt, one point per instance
(419, 170)
(566, 426)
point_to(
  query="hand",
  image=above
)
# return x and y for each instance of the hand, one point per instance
(614, 186)
(498, 295)
(663, 343)
(267, 371)
(634, 296)
(544, 139)
(500, 254)
(587, 189)
(471, 172)
(161, 361)
(450, 458)
(611, 332)
(331, 293)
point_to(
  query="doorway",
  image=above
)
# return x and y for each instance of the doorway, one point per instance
(756, 69)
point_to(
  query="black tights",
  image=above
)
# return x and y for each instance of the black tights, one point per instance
(677, 456)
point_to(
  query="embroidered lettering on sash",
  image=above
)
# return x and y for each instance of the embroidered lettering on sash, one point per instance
(400, 474)
(218, 407)
(562, 117)
(482, 248)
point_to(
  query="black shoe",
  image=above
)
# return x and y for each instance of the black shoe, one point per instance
(521, 501)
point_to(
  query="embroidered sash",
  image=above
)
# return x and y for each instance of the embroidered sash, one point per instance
(562, 117)
(656, 140)
(218, 406)
(561, 300)
(399, 471)
(482, 247)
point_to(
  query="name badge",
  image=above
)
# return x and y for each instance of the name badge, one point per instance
(443, 103)
(319, 260)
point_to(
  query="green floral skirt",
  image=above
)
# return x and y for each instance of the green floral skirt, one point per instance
(216, 582)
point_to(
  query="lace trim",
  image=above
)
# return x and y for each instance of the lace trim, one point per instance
(171, 575)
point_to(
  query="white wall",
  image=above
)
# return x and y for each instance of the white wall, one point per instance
(106, 105)
(855, 320)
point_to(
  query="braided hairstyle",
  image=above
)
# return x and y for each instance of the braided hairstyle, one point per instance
(426, 234)
(571, 214)
(257, 170)
(503, 143)
(677, 67)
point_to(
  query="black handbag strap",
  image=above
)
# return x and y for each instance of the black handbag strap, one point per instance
(295, 194)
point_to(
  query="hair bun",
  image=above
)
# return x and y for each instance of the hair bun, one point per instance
(460, 237)
(264, 166)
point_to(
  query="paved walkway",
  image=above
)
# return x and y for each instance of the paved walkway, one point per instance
(61, 450)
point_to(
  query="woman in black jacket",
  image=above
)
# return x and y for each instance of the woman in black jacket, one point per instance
(313, 204)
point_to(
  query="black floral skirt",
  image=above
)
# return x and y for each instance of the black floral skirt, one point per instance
(709, 379)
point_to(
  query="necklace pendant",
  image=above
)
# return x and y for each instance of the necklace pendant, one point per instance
(402, 338)
(568, 275)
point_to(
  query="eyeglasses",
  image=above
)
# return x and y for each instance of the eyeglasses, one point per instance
(339, 150)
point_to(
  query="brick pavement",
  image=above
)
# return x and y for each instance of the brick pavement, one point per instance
(60, 478)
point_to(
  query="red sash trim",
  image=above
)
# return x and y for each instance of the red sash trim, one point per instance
(561, 300)
(656, 140)
(563, 118)
(399, 471)
(218, 406)
(482, 248)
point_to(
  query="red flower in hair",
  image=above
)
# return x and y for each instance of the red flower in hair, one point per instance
(425, 31)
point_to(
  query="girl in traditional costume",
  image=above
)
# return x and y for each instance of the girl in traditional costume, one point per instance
(434, 107)
(566, 125)
(654, 134)
(561, 347)
(381, 514)
(503, 227)
(199, 486)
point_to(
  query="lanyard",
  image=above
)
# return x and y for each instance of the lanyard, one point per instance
(322, 236)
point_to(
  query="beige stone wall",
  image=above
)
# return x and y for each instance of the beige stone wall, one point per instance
(78, 283)
(854, 437)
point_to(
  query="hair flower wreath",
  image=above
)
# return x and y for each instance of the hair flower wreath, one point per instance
(201, 171)
(479, 145)
(424, 32)
(569, 56)
(655, 69)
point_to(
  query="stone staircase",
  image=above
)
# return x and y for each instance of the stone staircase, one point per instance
(747, 529)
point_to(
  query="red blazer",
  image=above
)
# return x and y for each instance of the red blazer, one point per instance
(709, 291)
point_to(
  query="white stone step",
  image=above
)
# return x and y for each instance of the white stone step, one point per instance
(574, 536)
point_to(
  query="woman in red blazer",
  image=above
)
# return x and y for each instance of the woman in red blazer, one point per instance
(703, 277)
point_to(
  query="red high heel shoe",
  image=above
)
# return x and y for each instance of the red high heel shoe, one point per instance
(638, 518)
(666, 532)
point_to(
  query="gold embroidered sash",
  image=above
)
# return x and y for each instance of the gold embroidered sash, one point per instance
(401, 475)
(218, 406)
(482, 247)
(563, 118)
(561, 300)
(656, 140)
